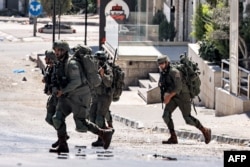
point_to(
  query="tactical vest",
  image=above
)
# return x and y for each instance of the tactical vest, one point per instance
(166, 82)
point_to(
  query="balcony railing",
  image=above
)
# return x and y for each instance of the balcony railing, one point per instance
(243, 79)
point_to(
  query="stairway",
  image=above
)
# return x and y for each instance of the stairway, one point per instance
(148, 89)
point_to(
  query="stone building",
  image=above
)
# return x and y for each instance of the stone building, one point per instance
(15, 5)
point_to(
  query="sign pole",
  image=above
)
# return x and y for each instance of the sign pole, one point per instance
(35, 26)
(35, 9)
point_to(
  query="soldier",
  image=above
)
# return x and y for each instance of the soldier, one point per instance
(109, 119)
(102, 96)
(74, 96)
(175, 93)
(50, 60)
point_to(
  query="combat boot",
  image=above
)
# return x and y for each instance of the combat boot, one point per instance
(206, 133)
(172, 139)
(62, 146)
(106, 136)
(54, 145)
(98, 143)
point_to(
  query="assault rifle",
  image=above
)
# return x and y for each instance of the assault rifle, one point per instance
(115, 56)
(46, 80)
(162, 89)
(54, 80)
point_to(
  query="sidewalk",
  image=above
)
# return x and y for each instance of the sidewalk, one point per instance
(133, 111)
(66, 19)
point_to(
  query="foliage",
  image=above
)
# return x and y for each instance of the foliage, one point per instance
(171, 31)
(212, 3)
(199, 24)
(158, 17)
(245, 26)
(208, 51)
(78, 6)
(61, 6)
(214, 23)
(220, 33)
(162, 30)
(166, 29)
(92, 6)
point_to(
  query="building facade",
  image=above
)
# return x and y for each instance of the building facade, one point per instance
(15, 5)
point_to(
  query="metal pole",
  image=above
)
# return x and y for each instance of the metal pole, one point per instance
(86, 21)
(35, 25)
(59, 21)
(54, 21)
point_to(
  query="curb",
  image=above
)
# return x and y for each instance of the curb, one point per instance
(183, 134)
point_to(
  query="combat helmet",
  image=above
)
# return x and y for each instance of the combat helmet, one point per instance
(61, 44)
(50, 54)
(162, 59)
(100, 55)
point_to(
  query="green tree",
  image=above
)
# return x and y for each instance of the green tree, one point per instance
(198, 23)
(167, 30)
(220, 35)
(214, 25)
(80, 5)
(158, 18)
(61, 6)
(163, 35)
(92, 7)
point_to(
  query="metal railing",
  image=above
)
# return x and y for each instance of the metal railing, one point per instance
(243, 79)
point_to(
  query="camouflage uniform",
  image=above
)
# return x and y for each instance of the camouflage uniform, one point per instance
(171, 84)
(50, 60)
(102, 96)
(73, 97)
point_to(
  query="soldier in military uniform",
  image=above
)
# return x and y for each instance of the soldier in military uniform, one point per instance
(74, 96)
(50, 60)
(175, 93)
(102, 95)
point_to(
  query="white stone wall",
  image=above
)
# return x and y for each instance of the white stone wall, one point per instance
(210, 77)
(212, 95)
(228, 104)
(135, 70)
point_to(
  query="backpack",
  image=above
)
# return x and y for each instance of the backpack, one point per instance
(118, 82)
(82, 54)
(190, 73)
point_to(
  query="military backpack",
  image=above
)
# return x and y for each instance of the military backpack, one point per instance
(82, 54)
(118, 82)
(190, 72)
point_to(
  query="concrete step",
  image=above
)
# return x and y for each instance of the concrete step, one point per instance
(133, 88)
(153, 85)
(144, 83)
(142, 92)
(154, 77)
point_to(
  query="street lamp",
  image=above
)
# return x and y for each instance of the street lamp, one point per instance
(86, 23)
(54, 21)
